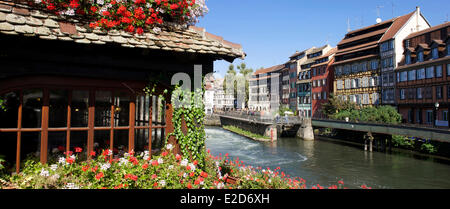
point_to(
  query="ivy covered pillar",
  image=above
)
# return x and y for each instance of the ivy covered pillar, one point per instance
(170, 127)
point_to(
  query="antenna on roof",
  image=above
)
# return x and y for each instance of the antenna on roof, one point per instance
(348, 24)
(393, 6)
(378, 13)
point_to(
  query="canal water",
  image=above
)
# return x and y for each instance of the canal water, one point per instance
(325, 162)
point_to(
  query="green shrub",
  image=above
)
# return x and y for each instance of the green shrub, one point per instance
(402, 141)
(428, 148)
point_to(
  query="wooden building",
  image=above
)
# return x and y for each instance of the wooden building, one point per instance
(423, 77)
(368, 54)
(322, 75)
(66, 85)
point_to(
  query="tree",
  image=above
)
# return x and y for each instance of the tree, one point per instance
(335, 105)
(246, 72)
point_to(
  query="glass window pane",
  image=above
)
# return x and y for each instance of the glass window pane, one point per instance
(142, 110)
(56, 146)
(101, 141)
(32, 106)
(79, 110)
(103, 102)
(59, 99)
(78, 139)
(120, 142)
(9, 112)
(141, 140)
(122, 104)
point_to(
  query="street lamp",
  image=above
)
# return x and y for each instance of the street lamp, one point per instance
(436, 107)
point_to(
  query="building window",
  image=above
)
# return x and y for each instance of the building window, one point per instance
(448, 92)
(403, 76)
(421, 74)
(445, 115)
(375, 98)
(419, 116)
(439, 71)
(347, 69)
(324, 82)
(324, 95)
(412, 75)
(448, 69)
(420, 56)
(402, 94)
(419, 93)
(448, 49)
(429, 116)
(348, 84)
(408, 58)
(439, 92)
(374, 64)
(434, 53)
(364, 66)
(430, 72)
(410, 115)
(354, 68)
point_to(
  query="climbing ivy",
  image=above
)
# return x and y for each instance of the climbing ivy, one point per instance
(190, 107)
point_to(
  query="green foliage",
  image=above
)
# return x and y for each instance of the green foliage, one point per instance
(428, 147)
(2, 104)
(2, 160)
(340, 110)
(139, 171)
(191, 110)
(402, 141)
(244, 132)
(335, 105)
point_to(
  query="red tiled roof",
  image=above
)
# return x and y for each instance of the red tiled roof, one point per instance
(357, 50)
(366, 35)
(396, 26)
(356, 59)
(270, 69)
(434, 28)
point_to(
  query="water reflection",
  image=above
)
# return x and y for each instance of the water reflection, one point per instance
(325, 163)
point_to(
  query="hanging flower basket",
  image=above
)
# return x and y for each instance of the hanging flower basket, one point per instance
(133, 16)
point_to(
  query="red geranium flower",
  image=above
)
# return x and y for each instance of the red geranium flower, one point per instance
(99, 176)
(78, 149)
(189, 186)
(204, 174)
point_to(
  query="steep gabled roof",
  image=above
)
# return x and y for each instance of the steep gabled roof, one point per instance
(428, 30)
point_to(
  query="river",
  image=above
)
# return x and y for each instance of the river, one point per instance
(325, 162)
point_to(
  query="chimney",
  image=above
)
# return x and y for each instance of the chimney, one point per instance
(417, 18)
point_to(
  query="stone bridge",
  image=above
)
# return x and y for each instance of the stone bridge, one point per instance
(303, 128)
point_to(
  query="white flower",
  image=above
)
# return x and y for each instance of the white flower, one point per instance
(160, 161)
(184, 175)
(55, 177)
(220, 185)
(110, 152)
(184, 162)
(105, 166)
(123, 161)
(170, 167)
(126, 155)
(169, 146)
(270, 181)
(44, 173)
(162, 183)
(61, 160)
(101, 2)
(54, 167)
(71, 186)
(192, 166)
(37, 1)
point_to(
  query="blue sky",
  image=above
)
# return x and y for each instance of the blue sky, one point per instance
(272, 30)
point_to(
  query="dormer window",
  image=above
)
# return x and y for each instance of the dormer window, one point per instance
(434, 53)
(448, 48)
(420, 56)
(408, 58)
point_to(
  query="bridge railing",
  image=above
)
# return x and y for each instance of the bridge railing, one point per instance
(263, 118)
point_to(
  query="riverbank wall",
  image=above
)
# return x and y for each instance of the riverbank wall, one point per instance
(212, 120)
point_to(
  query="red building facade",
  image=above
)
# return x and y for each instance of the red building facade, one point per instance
(322, 75)
(423, 78)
